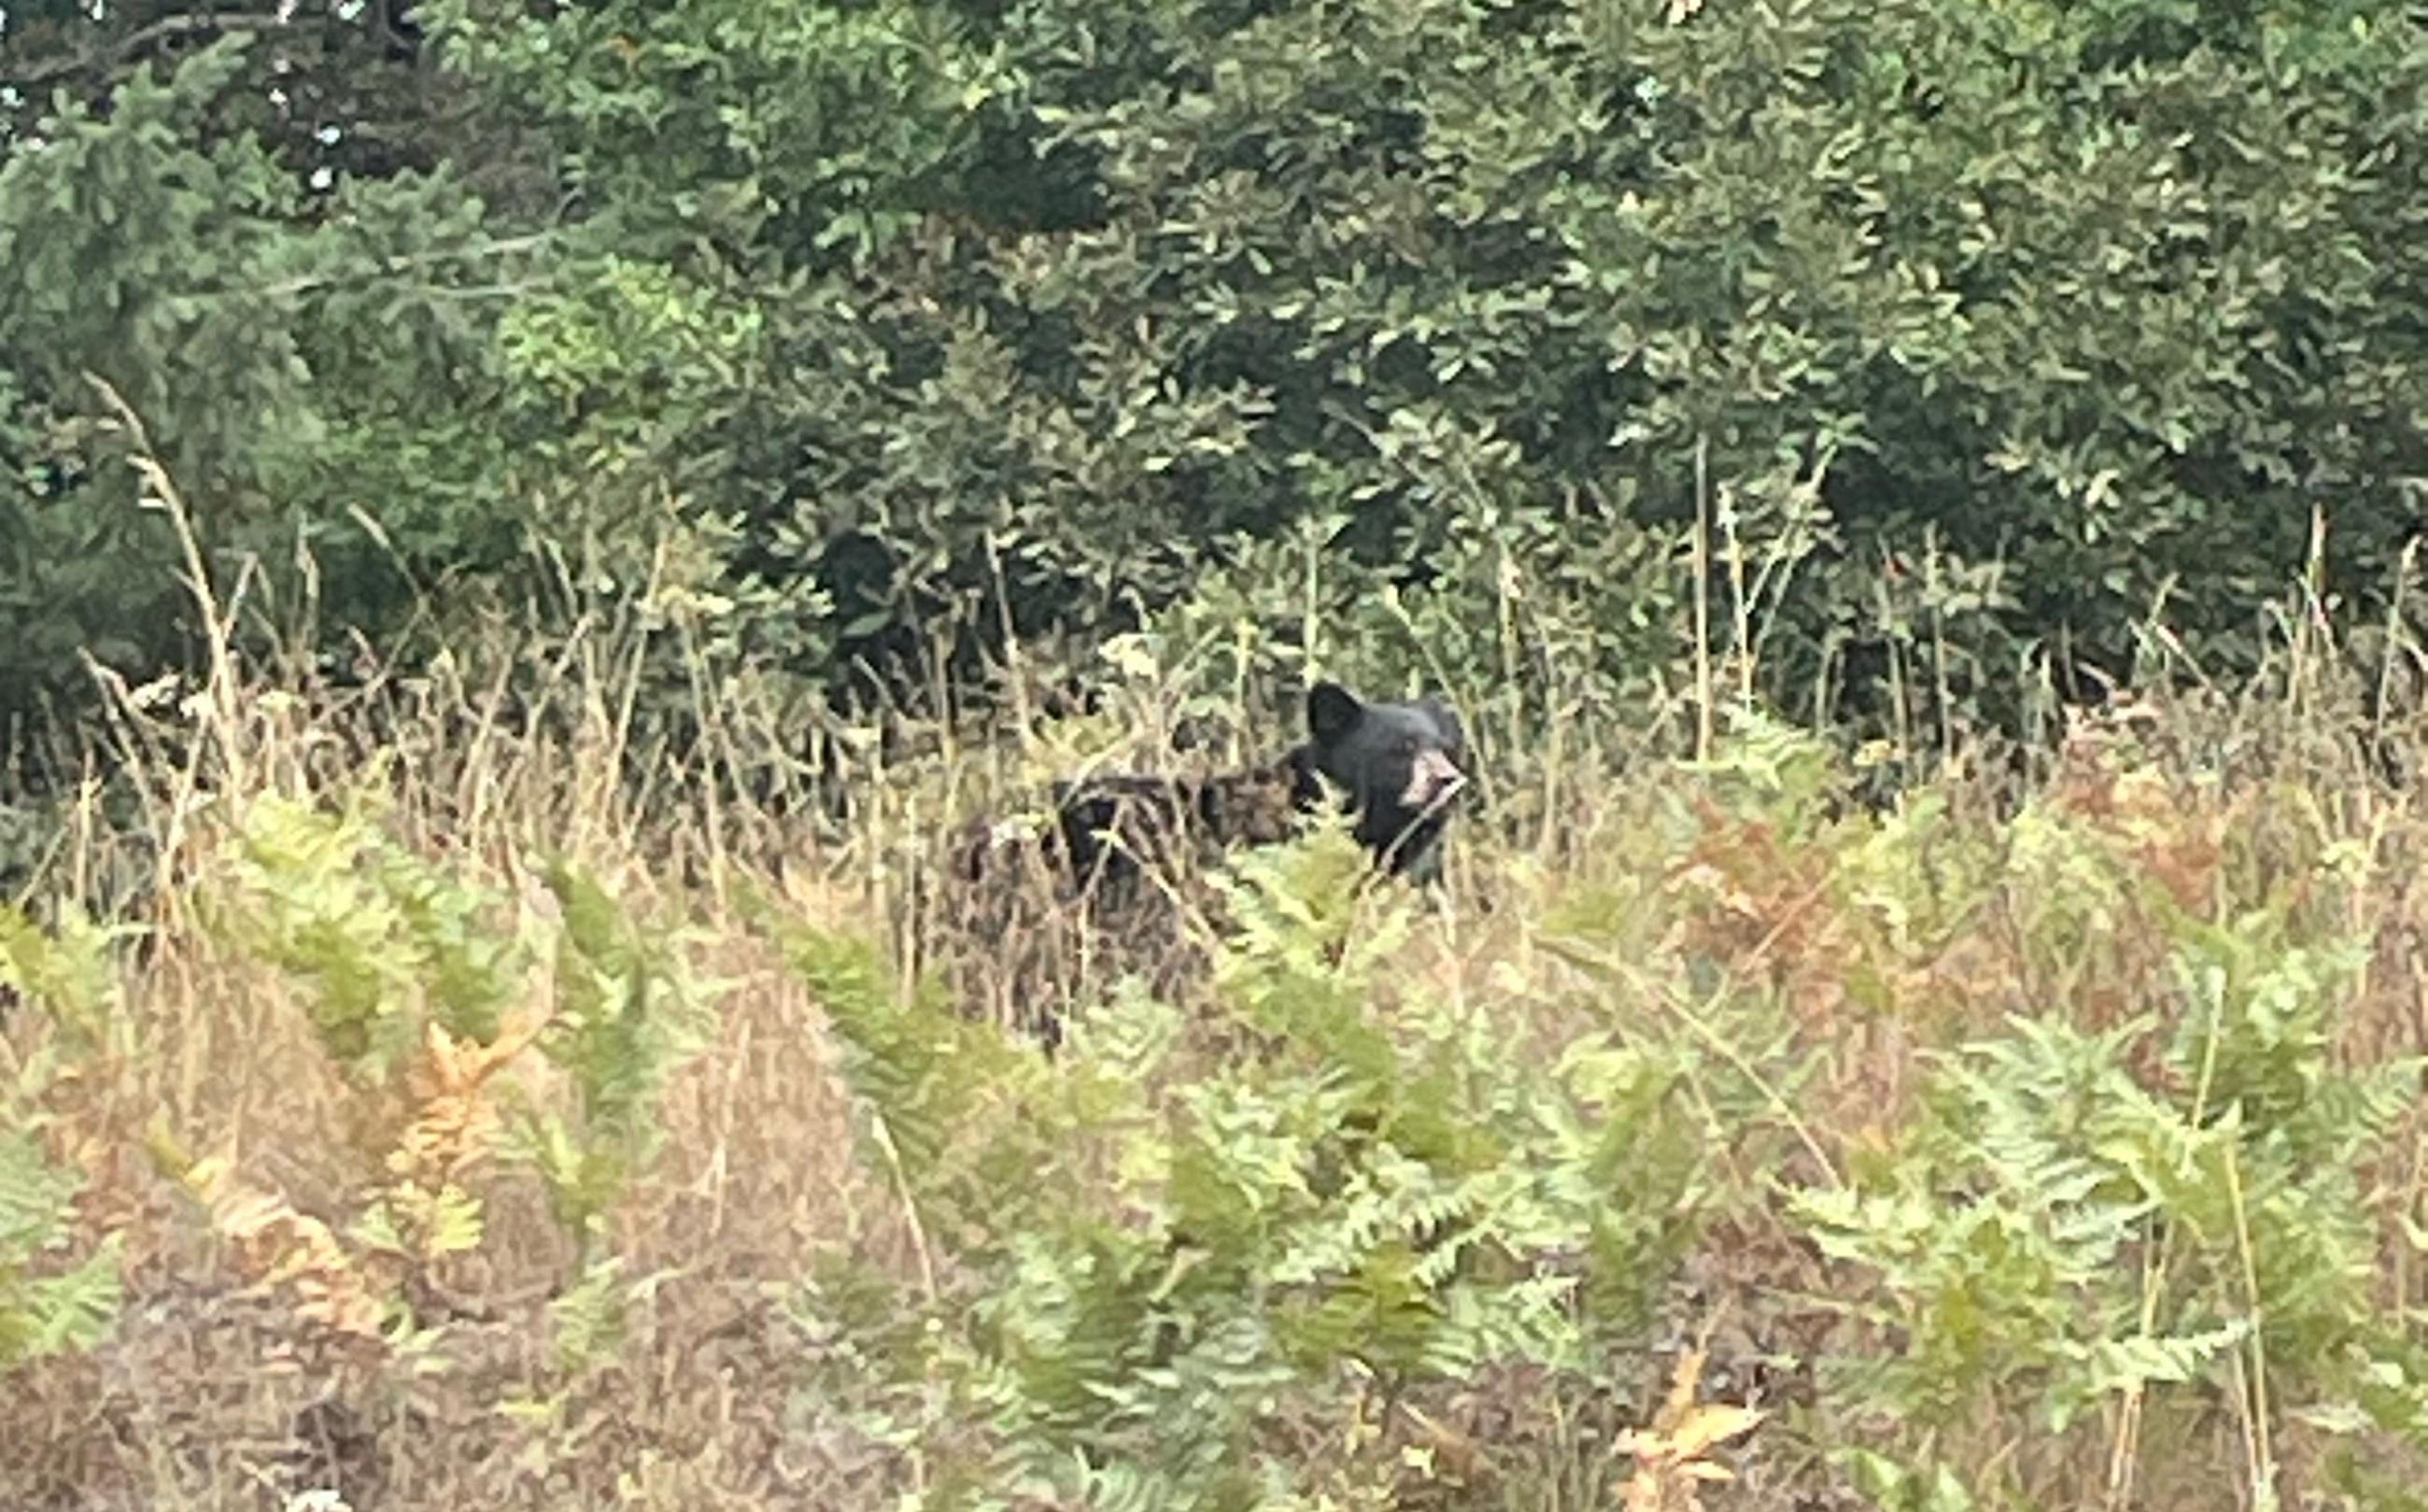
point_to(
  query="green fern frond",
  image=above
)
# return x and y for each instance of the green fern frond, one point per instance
(1308, 938)
(973, 1120)
(383, 939)
(2108, 1368)
(629, 1009)
(68, 971)
(588, 1318)
(55, 1313)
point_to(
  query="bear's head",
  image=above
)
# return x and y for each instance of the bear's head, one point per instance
(1400, 766)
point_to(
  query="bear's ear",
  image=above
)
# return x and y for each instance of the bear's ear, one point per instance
(1331, 712)
(1446, 720)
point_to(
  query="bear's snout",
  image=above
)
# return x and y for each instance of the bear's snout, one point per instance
(1433, 780)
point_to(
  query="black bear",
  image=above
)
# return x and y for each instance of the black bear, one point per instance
(1031, 901)
(1400, 767)
(1104, 825)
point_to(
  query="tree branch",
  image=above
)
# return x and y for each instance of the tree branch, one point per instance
(143, 36)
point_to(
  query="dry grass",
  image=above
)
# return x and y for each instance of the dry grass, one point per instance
(238, 1376)
(249, 1368)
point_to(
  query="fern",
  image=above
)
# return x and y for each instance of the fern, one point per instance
(279, 1245)
(70, 975)
(2000, 1238)
(1177, 1233)
(2258, 1027)
(421, 1224)
(1306, 943)
(1619, 1153)
(2012, 1232)
(409, 974)
(968, 1117)
(588, 1318)
(1892, 1486)
(407, 966)
(70, 972)
(45, 1312)
(384, 941)
(1772, 773)
(627, 1013)
(2255, 1052)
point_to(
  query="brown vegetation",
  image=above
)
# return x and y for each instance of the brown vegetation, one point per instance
(357, 1275)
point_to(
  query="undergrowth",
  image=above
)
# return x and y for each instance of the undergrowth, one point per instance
(423, 1142)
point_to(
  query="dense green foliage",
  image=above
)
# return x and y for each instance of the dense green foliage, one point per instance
(1979, 330)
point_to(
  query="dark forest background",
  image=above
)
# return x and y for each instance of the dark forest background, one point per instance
(1970, 350)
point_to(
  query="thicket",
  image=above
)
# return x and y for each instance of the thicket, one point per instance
(1952, 347)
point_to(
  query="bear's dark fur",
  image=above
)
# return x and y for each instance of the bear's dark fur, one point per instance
(1104, 825)
(1032, 899)
(1035, 906)
(1399, 766)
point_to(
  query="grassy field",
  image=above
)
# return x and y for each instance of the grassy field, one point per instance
(486, 1116)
